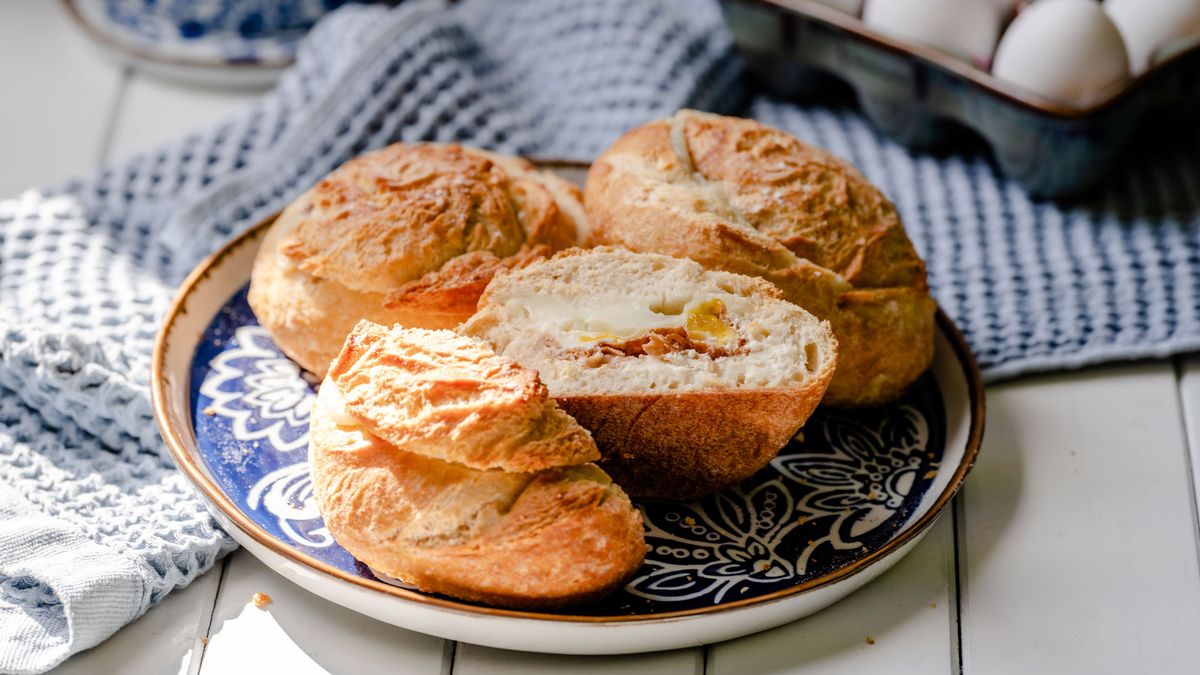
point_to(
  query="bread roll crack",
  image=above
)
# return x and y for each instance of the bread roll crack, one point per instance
(715, 198)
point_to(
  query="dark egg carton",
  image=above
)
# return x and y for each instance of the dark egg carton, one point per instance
(924, 98)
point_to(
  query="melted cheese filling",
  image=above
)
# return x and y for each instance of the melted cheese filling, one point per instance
(589, 321)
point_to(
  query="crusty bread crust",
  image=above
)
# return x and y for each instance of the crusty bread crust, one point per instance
(409, 234)
(439, 463)
(559, 537)
(447, 297)
(308, 317)
(450, 397)
(685, 446)
(737, 195)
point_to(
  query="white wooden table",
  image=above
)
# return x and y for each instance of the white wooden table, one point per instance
(1072, 549)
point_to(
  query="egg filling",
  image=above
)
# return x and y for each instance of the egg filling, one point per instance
(601, 328)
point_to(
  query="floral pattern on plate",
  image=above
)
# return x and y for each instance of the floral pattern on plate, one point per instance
(212, 32)
(840, 490)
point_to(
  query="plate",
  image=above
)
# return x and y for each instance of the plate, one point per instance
(843, 502)
(151, 42)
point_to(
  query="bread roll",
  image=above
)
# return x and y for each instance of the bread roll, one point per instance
(739, 196)
(561, 535)
(440, 395)
(409, 234)
(690, 380)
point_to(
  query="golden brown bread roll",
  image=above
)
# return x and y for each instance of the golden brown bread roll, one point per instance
(689, 379)
(438, 394)
(739, 196)
(561, 535)
(409, 234)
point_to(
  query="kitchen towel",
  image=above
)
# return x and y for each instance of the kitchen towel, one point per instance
(95, 524)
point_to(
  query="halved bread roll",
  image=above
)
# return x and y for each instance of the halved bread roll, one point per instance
(690, 380)
(409, 234)
(740, 196)
(395, 406)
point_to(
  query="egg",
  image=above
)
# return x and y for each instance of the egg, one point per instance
(1065, 50)
(1154, 30)
(965, 29)
(847, 6)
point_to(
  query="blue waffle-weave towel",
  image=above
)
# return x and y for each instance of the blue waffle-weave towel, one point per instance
(95, 524)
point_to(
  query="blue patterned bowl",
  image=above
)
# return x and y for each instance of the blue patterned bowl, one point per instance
(839, 505)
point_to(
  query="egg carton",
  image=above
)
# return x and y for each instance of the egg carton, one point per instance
(924, 98)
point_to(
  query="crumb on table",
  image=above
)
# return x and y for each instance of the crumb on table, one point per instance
(870, 640)
(261, 600)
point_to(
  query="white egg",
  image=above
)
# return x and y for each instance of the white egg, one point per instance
(1154, 30)
(966, 29)
(1065, 50)
(847, 6)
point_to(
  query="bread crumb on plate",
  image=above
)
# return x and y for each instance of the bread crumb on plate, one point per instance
(261, 600)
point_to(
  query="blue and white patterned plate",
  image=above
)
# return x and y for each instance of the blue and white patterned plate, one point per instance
(223, 42)
(830, 498)
(841, 503)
